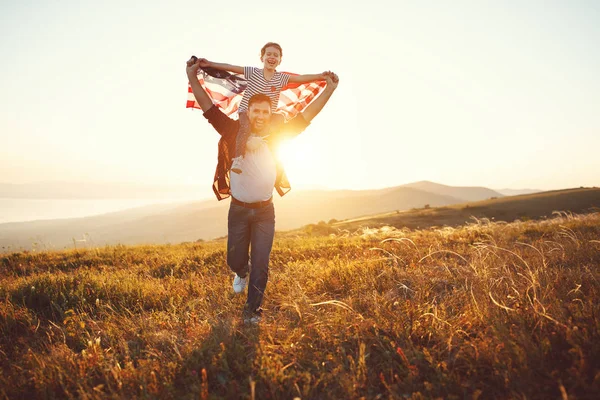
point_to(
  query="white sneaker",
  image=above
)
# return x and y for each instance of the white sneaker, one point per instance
(239, 284)
(252, 317)
(255, 319)
(236, 166)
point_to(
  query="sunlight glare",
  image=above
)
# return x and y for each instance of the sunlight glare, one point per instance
(302, 160)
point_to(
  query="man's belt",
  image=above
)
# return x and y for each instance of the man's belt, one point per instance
(258, 204)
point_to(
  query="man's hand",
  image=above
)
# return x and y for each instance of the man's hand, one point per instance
(316, 105)
(332, 79)
(192, 67)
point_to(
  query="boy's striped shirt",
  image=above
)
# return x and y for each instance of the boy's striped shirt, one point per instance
(258, 84)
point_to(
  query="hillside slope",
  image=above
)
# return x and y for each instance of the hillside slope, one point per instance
(531, 206)
(466, 193)
(208, 219)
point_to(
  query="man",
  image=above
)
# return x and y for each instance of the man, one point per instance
(251, 220)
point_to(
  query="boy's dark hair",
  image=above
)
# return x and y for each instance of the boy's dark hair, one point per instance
(259, 98)
(271, 44)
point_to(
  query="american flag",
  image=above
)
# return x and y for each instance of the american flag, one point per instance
(226, 90)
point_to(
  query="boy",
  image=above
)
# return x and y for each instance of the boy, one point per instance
(264, 80)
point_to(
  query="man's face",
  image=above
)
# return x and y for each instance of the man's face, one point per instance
(259, 115)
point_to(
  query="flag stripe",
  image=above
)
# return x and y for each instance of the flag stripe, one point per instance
(226, 91)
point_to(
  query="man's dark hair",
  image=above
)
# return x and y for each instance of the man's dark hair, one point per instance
(259, 98)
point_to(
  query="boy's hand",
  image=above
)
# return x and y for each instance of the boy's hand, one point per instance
(192, 66)
(204, 62)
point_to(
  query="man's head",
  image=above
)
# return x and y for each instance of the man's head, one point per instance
(270, 55)
(259, 113)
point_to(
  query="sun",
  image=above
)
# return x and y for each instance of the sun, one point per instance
(302, 160)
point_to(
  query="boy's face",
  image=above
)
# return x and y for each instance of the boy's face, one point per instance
(272, 58)
(259, 115)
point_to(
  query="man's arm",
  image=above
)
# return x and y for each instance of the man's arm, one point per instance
(317, 104)
(236, 69)
(301, 121)
(221, 122)
(306, 78)
(193, 65)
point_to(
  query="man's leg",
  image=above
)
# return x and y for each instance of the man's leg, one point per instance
(262, 233)
(238, 239)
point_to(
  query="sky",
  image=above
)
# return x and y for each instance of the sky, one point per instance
(499, 94)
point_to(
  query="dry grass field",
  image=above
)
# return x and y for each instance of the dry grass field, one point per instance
(487, 310)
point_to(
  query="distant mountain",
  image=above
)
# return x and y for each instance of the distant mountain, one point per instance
(465, 193)
(208, 219)
(517, 192)
(92, 190)
(509, 208)
(300, 208)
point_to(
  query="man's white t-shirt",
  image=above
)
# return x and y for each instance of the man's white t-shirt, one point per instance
(259, 171)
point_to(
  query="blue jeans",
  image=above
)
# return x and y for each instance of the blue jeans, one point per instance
(251, 229)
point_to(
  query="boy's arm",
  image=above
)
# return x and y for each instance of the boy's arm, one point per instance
(236, 69)
(306, 78)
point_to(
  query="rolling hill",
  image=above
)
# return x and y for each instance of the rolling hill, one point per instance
(207, 219)
(516, 192)
(465, 193)
(531, 206)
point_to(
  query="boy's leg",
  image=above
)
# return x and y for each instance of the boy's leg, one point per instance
(240, 142)
(277, 120)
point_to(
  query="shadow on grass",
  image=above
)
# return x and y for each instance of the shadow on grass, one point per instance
(222, 366)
